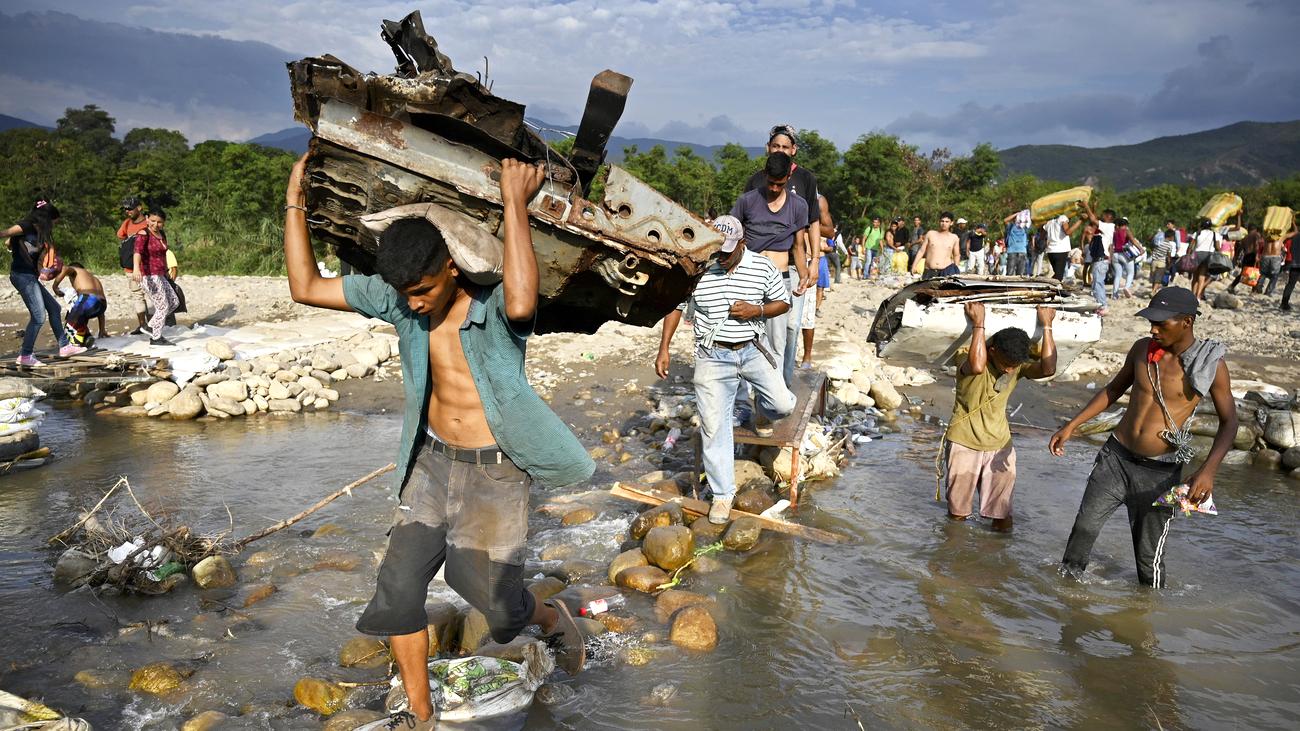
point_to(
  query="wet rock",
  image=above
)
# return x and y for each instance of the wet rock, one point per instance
(1282, 431)
(579, 516)
(260, 401)
(658, 516)
(598, 452)
(185, 405)
(1291, 458)
(159, 678)
(545, 588)
(645, 579)
(637, 656)
(885, 395)
(669, 602)
(1267, 458)
(706, 532)
(1237, 456)
(444, 627)
(742, 534)
(329, 529)
(474, 632)
(669, 547)
(93, 679)
(574, 570)
(626, 560)
(257, 593)
(1246, 436)
(73, 564)
(321, 696)
(706, 565)
(351, 719)
(753, 501)
(590, 627)
(338, 561)
(214, 572)
(619, 623)
(364, 652)
(220, 349)
(750, 474)
(512, 650)
(260, 558)
(694, 629)
(650, 478)
(554, 694)
(205, 721)
(284, 405)
(558, 552)
(1226, 301)
(669, 486)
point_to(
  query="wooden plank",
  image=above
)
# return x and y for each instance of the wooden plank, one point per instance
(788, 431)
(643, 494)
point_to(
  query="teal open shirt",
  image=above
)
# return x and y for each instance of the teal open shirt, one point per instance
(524, 427)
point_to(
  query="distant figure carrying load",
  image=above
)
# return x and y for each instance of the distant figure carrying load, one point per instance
(1169, 373)
(89, 303)
(980, 455)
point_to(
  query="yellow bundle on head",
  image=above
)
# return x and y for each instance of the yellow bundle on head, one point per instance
(1068, 202)
(1278, 221)
(1221, 207)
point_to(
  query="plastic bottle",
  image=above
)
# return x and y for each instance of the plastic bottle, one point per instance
(671, 440)
(600, 606)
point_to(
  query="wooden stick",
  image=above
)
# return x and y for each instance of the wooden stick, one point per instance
(320, 504)
(643, 494)
(65, 534)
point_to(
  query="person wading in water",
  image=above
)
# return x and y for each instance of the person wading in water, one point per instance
(474, 435)
(1169, 373)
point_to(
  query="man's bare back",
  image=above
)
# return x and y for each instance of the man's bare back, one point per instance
(941, 249)
(1271, 247)
(455, 411)
(82, 281)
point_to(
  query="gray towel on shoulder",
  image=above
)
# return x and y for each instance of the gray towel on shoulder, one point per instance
(1201, 362)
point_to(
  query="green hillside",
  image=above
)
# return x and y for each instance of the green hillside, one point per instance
(1241, 154)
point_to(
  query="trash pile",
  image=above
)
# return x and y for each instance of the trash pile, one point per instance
(19, 713)
(20, 445)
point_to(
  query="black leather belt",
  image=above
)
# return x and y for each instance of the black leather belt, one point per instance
(486, 455)
(732, 346)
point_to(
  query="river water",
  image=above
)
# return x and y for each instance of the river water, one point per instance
(921, 624)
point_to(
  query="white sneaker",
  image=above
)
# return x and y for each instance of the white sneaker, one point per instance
(720, 510)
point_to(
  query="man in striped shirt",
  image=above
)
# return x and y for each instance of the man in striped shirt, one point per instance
(736, 294)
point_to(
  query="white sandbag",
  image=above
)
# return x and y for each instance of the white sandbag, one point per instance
(13, 410)
(20, 713)
(19, 388)
(477, 253)
(478, 688)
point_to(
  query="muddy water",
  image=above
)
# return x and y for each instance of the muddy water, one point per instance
(923, 624)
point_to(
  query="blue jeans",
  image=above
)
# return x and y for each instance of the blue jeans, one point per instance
(868, 256)
(718, 375)
(1099, 269)
(1124, 272)
(789, 346)
(40, 303)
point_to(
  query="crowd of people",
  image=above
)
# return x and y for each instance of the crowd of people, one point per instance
(146, 258)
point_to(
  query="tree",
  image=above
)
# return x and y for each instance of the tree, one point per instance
(91, 127)
(979, 169)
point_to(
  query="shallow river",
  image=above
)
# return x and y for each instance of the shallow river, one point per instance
(922, 624)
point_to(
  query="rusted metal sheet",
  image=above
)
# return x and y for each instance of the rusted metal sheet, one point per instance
(431, 134)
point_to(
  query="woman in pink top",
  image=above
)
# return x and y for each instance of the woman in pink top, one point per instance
(151, 271)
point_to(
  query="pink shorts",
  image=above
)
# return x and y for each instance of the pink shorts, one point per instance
(992, 474)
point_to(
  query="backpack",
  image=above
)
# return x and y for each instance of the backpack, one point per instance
(1096, 249)
(126, 253)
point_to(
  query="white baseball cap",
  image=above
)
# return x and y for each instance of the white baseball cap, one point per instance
(732, 232)
(961, 220)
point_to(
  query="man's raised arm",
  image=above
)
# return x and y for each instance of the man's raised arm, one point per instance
(306, 285)
(519, 183)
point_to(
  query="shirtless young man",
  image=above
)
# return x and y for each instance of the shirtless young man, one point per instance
(474, 434)
(1169, 372)
(940, 250)
(1271, 254)
(89, 303)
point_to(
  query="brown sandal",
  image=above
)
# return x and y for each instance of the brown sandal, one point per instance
(567, 639)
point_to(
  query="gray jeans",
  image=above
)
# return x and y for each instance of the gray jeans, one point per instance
(1121, 477)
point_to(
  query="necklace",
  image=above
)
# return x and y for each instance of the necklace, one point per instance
(1179, 439)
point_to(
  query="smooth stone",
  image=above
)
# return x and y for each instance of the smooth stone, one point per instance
(750, 474)
(357, 370)
(225, 406)
(277, 391)
(364, 357)
(546, 587)
(590, 627)
(321, 696)
(706, 564)
(310, 383)
(658, 516)
(474, 632)
(259, 593)
(160, 392)
(320, 403)
(626, 560)
(323, 362)
(207, 379)
(885, 395)
(364, 652)
(618, 623)
(220, 349)
(285, 376)
(1267, 458)
(205, 721)
(645, 579)
(185, 405)
(283, 405)
(707, 533)
(558, 552)
(73, 564)
(694, 629)
(352, 719)
(328, 394)
(1282, 431)
(578, 517)
(574, 570)
(512, 650)
(261, 402)
(669, 602)
(294, 388)
(669, 547)
(742, 534)
(214, 572)
(1291, 458)
(753, 501)
(233, 390)
(159, 678)
(93, 679)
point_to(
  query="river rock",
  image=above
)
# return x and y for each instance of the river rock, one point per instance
(707, 532)
(674, 599)
(220, 349)
(574, 570)
(321, 696)
(357, 370)
(139, 397)
(285, 376)
(645, 579)
(669, 547)
(93, 679)
(364, 357)
(205, 721)
(159, 678)
(277, 391)
(136, 410)
(185, 405)
(364, 652)
(513, 650)
(310, 383)
(225, 405)
(590, 627)
(1291, 458)
(626, 560)
(444, 626)
(257, 593)
(295, 389)
(321, 361)
(249, 406)
(72, 565)
(742, 534)
(1246, 436)
(706, 565)
(328, 394)
(381, 348)
(1267, 458)
(546, 587)
(578, 517)
(694, 629)
(1226, 301)
(339, 375)
(753, 501)
(474, 632)
(261, 402)
(619, 623)
(1282, 431)
(234, 390)
(351, 719)
(558, 552)
(750, 474)
(1237, 456)
(160, 392)
(207, 379)
(660, 515)
(214, 572)
(284, 405)
(885, 395)
(320, 403)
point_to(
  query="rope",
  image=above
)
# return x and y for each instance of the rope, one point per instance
(1179, 439)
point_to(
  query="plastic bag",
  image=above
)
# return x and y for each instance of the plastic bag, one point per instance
(1177, 498)
(479, 688)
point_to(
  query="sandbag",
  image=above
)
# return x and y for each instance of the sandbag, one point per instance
(1278, 221)
(479, 688)
(14, 410)
(1220, 208)
(19, 388)
(1068, 202)
(477, 253)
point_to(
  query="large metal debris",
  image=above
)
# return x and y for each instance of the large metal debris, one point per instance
(430, 133)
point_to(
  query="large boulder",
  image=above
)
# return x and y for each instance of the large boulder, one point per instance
(159, 393)
(645, 579)
(667, 604)
(885, 395)
(669, 547)
(742, 534)
(321, 696)
(626, 560)
(185, 405)
(660, 515)
(694, 629)
(214, 572)
(1282, 431)
(234, 390)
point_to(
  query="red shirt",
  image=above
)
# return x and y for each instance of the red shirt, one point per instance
(153, 254)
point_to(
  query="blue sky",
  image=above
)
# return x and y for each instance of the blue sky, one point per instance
(937, 74)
